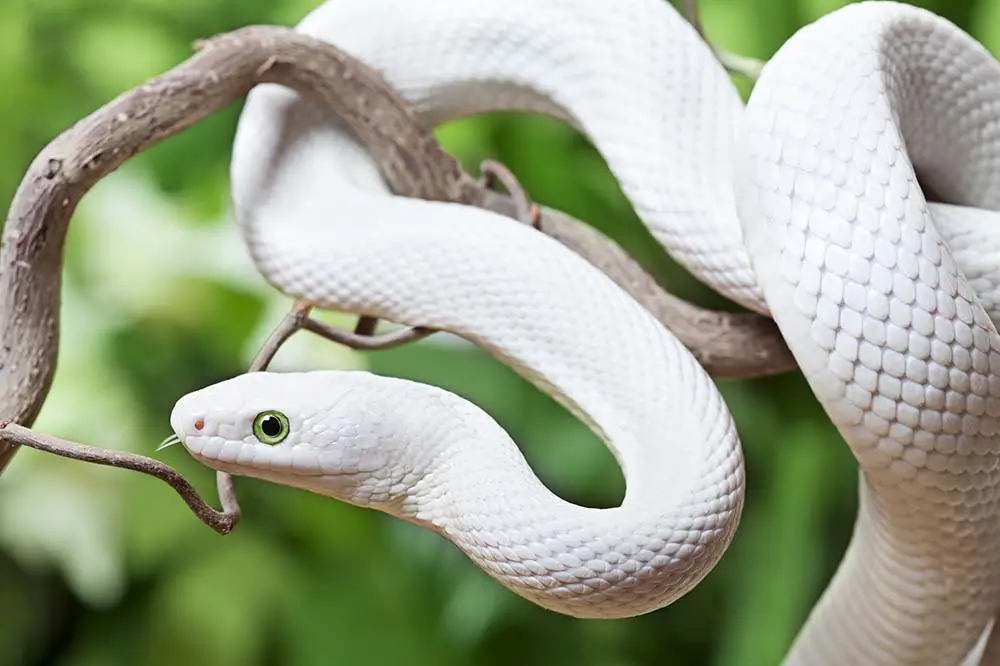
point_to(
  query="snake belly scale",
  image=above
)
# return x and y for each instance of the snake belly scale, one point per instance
(804, 205)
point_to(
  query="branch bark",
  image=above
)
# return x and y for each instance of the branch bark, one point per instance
(412, 162)
(220, 521)
(729, 345)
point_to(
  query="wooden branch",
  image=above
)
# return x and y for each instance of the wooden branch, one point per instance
(412, 163)
(728, 345)
(222, 522)
(227, 67)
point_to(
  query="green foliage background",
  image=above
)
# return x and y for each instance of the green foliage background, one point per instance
(100, 566)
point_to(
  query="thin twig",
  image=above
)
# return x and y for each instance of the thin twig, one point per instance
(692, 13)
(367, 342)
(494, 172)
(220, 521)
(292, 322)
(284, 330)
(365, 329)
(733, 62)
(366, 325)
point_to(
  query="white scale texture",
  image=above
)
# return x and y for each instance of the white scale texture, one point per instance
(804, 206)
(890, 335)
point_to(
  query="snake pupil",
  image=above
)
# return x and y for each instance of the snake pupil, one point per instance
(270, 426)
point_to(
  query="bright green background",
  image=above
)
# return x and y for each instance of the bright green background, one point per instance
(101, 566)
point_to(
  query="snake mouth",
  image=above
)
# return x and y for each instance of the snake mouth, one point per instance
(254, 459)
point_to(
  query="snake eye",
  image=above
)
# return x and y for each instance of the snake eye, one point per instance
(270, 427)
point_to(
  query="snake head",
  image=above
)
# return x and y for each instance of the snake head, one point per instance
(312, 430)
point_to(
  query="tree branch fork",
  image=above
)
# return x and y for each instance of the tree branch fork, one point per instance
(413, 164)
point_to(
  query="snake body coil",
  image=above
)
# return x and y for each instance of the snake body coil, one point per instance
(804, 205)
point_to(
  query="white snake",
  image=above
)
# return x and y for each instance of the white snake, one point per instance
(803, 205)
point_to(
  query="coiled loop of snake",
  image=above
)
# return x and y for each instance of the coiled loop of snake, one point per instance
(804, 205)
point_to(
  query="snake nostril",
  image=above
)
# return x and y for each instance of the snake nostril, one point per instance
(199, 424)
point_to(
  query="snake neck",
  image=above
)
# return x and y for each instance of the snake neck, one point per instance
(466, 479)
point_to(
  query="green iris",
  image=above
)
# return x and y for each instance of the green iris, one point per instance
(270, 427)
